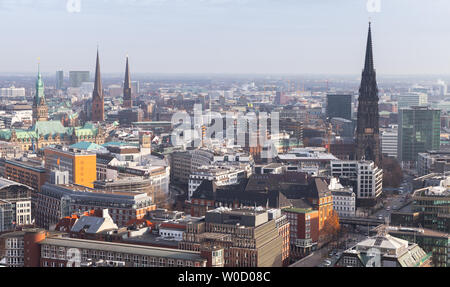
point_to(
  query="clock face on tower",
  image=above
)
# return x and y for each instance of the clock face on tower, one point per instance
(368, 131)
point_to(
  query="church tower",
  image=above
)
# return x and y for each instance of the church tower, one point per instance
(40, 109)
(127, 97)
(98, 105)
(367, 132)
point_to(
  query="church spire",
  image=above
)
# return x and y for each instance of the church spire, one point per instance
(98, 91)
(127, 83)
(367, 131)
(127, 97)
(98, 106)
(368, 67)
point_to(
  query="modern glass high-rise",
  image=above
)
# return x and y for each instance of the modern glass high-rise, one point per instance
(339, 106)
(76, 78)
(59, 80)
(419, 131)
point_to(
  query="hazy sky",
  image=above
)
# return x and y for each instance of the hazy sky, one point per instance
(225, 36)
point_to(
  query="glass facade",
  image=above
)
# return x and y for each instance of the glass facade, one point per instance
(339, 106)
(419, 131)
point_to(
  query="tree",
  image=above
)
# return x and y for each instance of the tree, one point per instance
(331, 227)
(392, 172)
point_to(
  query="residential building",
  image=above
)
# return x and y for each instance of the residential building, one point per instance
(304, 230)
(219, 174)
(434, 161)
(344, 199)
(249, 237)
(19, 198)
(21, 248)
(57, 201)
(26, 171)
(40, 248)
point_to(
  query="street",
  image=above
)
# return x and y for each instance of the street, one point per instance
(318, 257)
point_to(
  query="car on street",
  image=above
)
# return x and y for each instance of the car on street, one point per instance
(327, 262)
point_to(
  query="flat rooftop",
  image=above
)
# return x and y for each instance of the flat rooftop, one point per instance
(123, 248)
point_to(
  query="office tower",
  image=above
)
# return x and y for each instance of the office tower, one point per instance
(12, 92)
(40, 109)
(389, 141)
(127, 98)
(412, 100)
(80, 164)
(339, 106)
(76, 78)
(280, 98)
(367, 132)
(98, 106)
(135, 88)
(59, 80)
(364, 175)
(419, 131)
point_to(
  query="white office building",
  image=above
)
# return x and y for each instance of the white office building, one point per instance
(412, 100)
(220, 175)
(12, 92)
(369, 177)
(389, 141)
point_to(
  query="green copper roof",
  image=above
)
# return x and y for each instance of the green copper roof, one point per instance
(48, 127)
(86, 146)
(39, 98)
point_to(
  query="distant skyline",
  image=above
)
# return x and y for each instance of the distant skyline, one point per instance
(411, 37)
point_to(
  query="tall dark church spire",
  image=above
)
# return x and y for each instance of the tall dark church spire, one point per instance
(367, 132)
(98, 107)
(127, 97)
(369, 53)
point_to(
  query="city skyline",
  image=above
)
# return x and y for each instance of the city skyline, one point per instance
(226, 37)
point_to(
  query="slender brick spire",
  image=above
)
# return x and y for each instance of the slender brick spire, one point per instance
(98, 106)
(98, 90)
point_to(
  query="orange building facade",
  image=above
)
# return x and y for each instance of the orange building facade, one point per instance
(82, 165)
